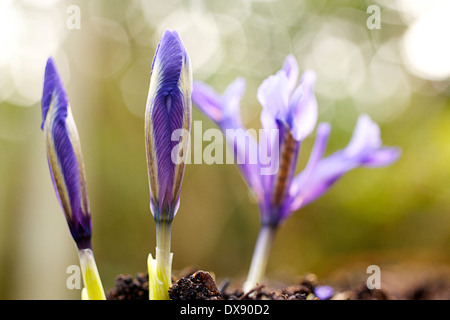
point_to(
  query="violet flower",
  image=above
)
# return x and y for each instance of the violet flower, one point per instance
(291, 111)
(67, 172)
(324, 292)
(168, 112)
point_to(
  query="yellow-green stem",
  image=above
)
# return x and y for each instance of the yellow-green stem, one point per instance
(160, 269)
(91, 278)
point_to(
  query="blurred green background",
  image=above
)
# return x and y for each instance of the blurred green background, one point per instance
(398, 74)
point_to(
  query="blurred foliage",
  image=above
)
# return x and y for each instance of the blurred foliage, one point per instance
(400, 212)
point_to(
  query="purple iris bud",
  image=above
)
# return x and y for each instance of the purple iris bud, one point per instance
(168, 118)
(291, 110)
(169, 110)
(324, 292)
(64, 157)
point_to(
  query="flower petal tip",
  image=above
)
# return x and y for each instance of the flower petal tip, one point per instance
(309, 77)
(53, 88)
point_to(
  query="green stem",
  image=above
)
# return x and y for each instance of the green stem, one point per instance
(260, 257)
(160, 269)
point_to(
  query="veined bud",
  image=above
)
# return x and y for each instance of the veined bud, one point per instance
(64, 157)
(168, 109)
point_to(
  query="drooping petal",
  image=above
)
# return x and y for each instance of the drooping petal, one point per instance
(64, 157)
(207, 100)
(364, 150)
(367, 146)
(168, 110)
(231, 99)
(327, 172)
(222, 109)
(366, 136)
(383, 156)
(239, 139)
(301, 181)
(244, 148)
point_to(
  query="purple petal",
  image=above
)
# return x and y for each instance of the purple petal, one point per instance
(162, 130)
(53, 88)
(303, 106)
(231, 99)
(366, 136)
(273, 95)
(382, 157)
(324, 292)
(326, 173)
(168, 109)
(224, 110)
(366, 145)
(220, 109)
(167, 61)
(207, 100)
(298, 110)
(364, 150)
(64, 157)
(245, 152)
(303, 180)
(290, 67)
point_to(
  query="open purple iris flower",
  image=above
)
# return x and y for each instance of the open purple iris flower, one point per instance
(168, 114)
(67, 172)
(291, 110)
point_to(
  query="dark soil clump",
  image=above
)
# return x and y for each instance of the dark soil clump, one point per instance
(128, 288)
(200, 285)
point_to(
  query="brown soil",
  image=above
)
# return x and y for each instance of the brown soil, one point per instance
(200, 285)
